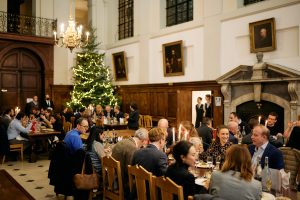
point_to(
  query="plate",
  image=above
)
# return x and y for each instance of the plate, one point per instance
(267, 196)
(203, 165)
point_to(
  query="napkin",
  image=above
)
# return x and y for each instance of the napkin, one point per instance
(285, 178)
(19, 137)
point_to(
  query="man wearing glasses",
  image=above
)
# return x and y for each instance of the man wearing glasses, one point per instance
(72, 139)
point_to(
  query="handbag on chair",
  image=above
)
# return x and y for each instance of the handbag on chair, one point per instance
(86, 181)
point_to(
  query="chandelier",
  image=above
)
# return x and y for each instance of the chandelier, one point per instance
(72, 37)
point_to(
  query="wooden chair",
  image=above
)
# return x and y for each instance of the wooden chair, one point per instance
(139, 177)
(15, 147)
(112, 179)
(190, 197)
(141, 121)
(148, 121)
(167, 189)
(291, 162)
(67, 126)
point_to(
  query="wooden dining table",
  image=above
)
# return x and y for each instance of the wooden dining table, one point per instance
(43, 134)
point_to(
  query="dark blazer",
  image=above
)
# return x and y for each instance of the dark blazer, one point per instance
(206, 134)
(152, 159)
(119, 115)
(180, 174)
(208, 110)
(275, 156)
(45, 105)
(133, 120)
(111, 115)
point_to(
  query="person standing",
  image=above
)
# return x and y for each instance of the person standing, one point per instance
(133, 118)
(47, 103)
(208, 106)
(199, 112)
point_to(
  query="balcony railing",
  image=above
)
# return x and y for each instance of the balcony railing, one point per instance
(27, 25)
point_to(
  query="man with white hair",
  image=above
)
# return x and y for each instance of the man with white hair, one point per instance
(233, 131)
(124, 150)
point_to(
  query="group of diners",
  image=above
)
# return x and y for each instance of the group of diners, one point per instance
(150, 150)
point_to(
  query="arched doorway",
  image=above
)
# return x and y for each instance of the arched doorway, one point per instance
(253, 109)
(21, 77)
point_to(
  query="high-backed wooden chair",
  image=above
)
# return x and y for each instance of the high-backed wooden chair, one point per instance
(167, 189)
(67, 126)
(15, 147)
(291, 162)
(147, 121)
(141, 121)
(112, 179)
(142, 180)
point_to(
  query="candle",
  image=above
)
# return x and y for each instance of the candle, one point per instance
(87, 36)
(259, 118)
(185, 135)
(179, 133)
(173, 135)
(266, 123)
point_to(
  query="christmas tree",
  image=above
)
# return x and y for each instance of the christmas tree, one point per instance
(92, 79)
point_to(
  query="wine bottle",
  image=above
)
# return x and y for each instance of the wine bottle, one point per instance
(266, 177)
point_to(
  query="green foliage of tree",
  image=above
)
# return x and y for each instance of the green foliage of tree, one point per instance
(92, 79)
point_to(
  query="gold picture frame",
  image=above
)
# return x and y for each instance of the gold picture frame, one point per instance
(120, 66)
(173, 59)
(262, 35)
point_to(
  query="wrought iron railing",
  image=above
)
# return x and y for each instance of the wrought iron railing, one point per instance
(27, 25)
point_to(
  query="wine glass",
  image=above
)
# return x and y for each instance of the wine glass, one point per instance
(218, 161)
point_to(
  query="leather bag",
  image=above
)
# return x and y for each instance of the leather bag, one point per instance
(86, 181)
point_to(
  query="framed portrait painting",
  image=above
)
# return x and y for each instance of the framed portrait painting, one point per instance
(262, 35)
(173, 59)
(120, 67)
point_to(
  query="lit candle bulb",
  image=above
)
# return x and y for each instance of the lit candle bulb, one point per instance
(266, 123)
(87, 36)
(259, 118)
(62, 27)
(173, 135)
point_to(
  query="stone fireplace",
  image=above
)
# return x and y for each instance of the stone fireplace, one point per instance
(257, 90)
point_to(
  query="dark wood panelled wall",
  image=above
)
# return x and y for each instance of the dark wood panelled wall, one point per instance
(26, 68)
(171, 101)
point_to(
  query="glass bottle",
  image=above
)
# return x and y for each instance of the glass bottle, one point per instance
(258, 170)
(243, 131)
(266, 177)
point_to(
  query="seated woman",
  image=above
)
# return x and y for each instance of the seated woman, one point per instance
(184, 153)
(95, 147)
(235, 180)
(219, 146)
(192, 135)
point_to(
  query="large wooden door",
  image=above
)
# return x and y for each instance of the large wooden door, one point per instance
(21, 74)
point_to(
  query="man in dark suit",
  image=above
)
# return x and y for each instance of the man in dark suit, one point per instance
(208, 106)
(233, 132)
(262, 148)
(118, 113)
(108, 112)
(124, 150)
(47, 103)
(205, 132)
(152, 158)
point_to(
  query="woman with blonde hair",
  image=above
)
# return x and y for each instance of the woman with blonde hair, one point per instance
(188, 128)
(235, 180)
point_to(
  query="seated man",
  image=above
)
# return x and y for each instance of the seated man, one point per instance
(205, 132)
(72, 139)
(262, 148)
(233, 131)
(124, 150)
(16, 133)
(152, 158)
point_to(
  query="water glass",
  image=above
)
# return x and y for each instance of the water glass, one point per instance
(209, 161)
(218, 161)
